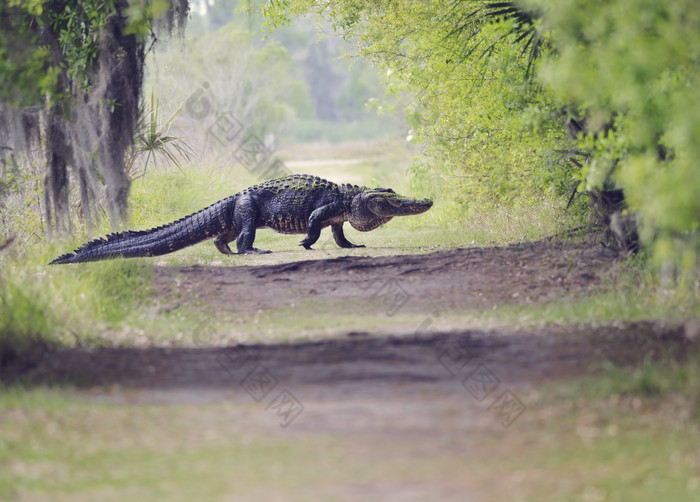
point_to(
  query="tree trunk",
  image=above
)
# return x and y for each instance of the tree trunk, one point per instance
(56, 182)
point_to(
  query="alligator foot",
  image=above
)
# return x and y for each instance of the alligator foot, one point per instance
(340, 238)
(254, 251)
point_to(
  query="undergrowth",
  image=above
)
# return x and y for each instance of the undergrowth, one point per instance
(42, 305)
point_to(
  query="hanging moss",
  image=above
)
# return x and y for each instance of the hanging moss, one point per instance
(77, 80)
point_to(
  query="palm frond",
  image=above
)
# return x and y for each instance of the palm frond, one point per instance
(151, 141)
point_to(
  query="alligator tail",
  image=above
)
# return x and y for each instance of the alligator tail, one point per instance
(197, 227)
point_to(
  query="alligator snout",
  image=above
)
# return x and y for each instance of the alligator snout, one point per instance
(414, 205)
(403, 201)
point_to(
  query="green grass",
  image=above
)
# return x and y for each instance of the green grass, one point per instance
(645, 464)
(629, 293)
(578, 440)
(42, 304)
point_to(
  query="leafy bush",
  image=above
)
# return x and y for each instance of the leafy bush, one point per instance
(632, 65)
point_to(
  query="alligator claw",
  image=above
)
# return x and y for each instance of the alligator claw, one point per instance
(255, 251)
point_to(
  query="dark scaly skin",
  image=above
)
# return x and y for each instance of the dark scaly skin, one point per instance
(296, 204)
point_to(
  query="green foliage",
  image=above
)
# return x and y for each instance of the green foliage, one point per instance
(466, 67)
(634, 64)
(23, 60)
(628, 69)
(32, 7)
(77, 27)
(141, 16)
(28, 69)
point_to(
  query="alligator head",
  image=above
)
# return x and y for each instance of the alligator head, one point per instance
(374, 207)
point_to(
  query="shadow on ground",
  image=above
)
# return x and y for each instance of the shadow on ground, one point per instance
(518, 359)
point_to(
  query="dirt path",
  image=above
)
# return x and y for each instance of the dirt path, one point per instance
(366, 364)
(463, 279)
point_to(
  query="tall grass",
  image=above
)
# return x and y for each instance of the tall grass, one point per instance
(42, 305)
(25, 321)
(165, 195)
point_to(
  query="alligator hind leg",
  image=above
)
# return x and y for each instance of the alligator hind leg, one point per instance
(245, 243)
(221, 241)
(245, 216)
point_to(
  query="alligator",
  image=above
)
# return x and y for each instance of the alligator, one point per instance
(296, 204)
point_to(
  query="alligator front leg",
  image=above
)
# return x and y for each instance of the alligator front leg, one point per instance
(316, 223)
(245, 217)
(340, 238)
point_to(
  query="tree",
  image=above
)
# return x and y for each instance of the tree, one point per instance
(73, 70)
